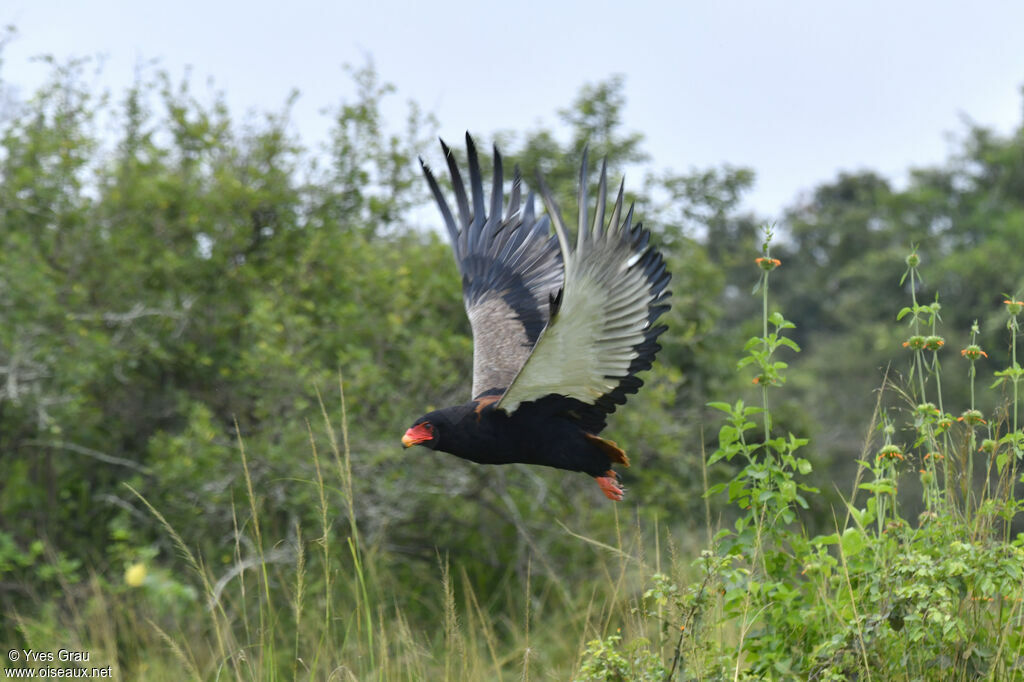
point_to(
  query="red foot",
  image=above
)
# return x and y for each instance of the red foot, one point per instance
(609, 484)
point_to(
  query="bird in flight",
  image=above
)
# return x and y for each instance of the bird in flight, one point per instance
(559, 333)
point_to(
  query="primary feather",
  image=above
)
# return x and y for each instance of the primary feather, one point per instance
(510, 268)
(603, 332)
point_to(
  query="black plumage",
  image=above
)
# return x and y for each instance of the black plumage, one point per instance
(559, 333)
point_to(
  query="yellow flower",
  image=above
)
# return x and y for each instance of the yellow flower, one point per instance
(135, 575)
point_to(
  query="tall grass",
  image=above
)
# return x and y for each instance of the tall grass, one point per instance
(319, 604)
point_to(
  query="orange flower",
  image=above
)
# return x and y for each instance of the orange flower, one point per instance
(916, 342)
(890, 451)
(768, 264)
(972, 417)
(973, 352)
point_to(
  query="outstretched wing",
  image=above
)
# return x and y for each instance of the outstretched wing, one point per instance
(602, 333)
(510, 267)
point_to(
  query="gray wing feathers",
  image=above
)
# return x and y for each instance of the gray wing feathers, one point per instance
(510, 266)
(603, 332)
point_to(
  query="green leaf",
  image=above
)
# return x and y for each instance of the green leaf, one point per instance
(788, 488)
(724, 407)
(727, 435)
(790, 343)
(853, 542)
(879, 487)
(715, 489)
(726, 451)
(826, 539)
(1001, 460)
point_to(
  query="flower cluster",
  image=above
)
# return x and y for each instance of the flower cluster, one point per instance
(919, 342)
(768, 264)
(973, 352)
(915, 342)
(1014, 307)
(890, 452)
(972, 417)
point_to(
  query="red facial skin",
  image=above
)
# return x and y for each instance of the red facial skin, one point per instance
(418, 434)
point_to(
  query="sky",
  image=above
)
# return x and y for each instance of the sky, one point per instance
(798, 90)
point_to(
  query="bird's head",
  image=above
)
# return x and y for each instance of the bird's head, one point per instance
(422, 432)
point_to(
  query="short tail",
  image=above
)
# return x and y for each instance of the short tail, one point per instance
(609, 448)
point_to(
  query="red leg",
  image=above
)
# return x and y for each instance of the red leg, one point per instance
(609, 484)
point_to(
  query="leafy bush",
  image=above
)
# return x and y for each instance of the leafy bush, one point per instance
(885, 594)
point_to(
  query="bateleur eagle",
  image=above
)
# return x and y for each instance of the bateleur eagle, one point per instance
(559, 333)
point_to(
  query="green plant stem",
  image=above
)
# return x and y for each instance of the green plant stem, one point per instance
(1013, 363)
(918, 363)
(972, 373)
(764, 335)
(1016, 434)
(937, 367)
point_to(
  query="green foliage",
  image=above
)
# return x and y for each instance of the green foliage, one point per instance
(884, 594)
(844, 246)
(172, 279)
(605, 661)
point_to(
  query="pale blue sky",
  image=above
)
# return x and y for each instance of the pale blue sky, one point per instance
(796, 90)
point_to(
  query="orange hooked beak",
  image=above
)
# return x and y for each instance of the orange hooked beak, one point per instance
(417, 434)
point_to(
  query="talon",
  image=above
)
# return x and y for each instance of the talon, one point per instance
(609, 485)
